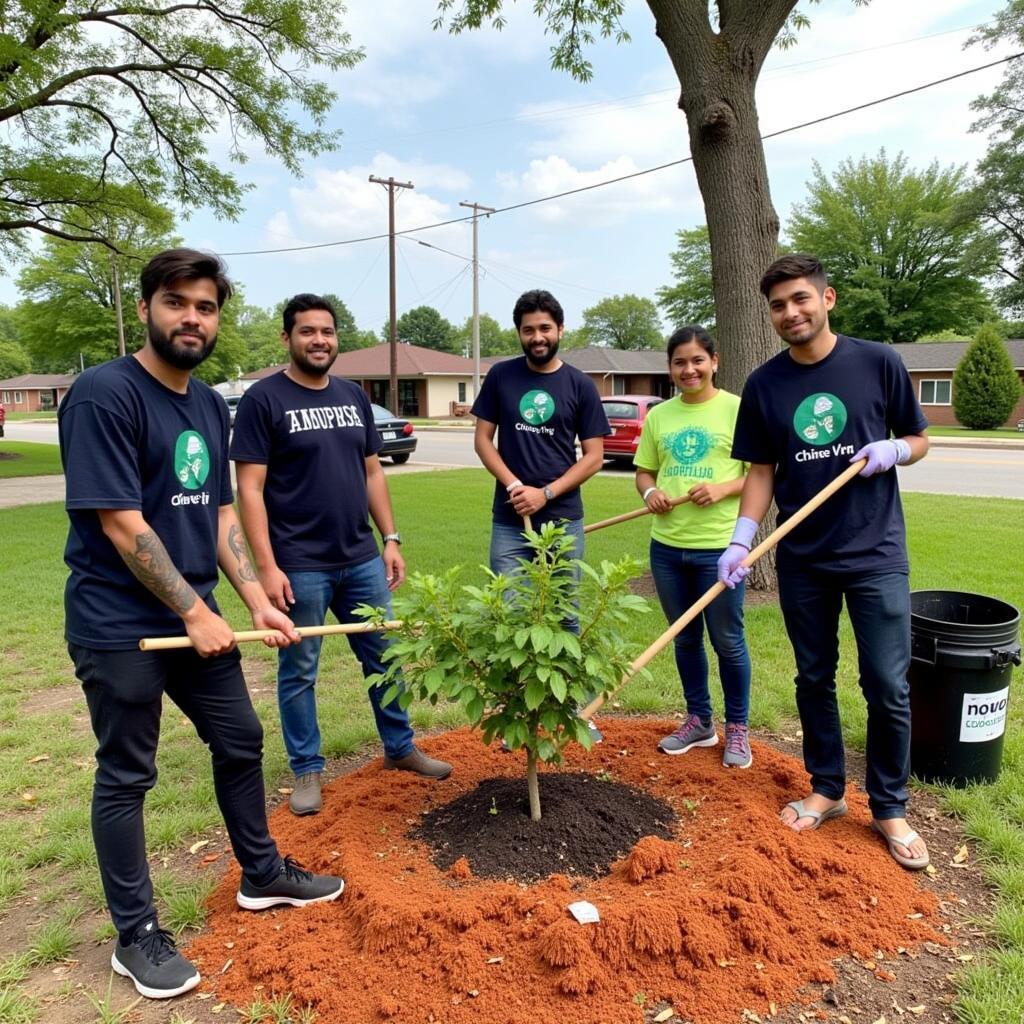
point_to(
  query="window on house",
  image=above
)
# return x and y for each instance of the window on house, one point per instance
(619, 386)
(17, 398)
(936, 392)
(462, 392)
(6, 397)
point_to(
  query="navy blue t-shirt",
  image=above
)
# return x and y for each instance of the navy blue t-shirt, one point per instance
(314, 443)
(539, 416)
(129, 442)
(808, 422)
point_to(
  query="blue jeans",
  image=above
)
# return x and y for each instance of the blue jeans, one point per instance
(681, 576)
(508, 545)
(340, 590)
(879, 608)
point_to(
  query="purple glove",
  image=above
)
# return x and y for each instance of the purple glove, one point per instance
(730, 571)
(882, 455)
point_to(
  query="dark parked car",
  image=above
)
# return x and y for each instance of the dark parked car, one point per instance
(626, 415)
(396, 435)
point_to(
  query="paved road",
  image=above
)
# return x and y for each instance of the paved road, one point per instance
(984, 472)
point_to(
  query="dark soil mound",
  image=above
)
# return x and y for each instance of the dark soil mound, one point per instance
(587, 824)
(10, 456)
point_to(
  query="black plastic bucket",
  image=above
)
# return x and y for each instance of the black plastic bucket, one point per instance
(963, 649)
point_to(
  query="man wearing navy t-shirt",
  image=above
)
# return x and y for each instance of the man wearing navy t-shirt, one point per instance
(309, 480)
(144, 448)
(539, 407)
(804, 416)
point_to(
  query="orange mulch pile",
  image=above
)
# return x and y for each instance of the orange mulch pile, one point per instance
(738, 912)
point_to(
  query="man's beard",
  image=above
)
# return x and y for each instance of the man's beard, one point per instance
(179, 358)
(310, 368)
(544, 359)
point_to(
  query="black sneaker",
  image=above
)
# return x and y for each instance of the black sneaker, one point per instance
(154, 964)
(294, 887)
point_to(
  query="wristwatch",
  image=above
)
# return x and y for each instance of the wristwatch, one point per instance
(396, 537)
(549, 494)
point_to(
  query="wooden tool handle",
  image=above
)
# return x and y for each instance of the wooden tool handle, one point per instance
(712, 592)
(170, 643)
(635, 514)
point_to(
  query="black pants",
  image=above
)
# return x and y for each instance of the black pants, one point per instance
(124, 690)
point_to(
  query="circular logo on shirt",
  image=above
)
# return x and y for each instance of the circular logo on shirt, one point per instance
(536, 407)
(690, 446)
(191, 460)
(819, 419)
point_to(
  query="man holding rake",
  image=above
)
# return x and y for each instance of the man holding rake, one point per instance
(144, 448)
(805, 415)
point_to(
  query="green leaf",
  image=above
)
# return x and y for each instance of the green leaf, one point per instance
(522, 636)
(558, 687)
(536, 691)
(475, 709)
(572, 644)
(540, 636)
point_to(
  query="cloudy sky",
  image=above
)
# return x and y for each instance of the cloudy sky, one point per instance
(481, 117)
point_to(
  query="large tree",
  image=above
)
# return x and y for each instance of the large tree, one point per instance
(495, 340)
(999, 193)
(717, 49)
(691, 300)
(93, 97)
(904, 250)
(424, 326)
(622, 321)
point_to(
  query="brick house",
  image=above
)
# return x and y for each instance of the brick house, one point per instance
(931, 366)
(35, 392)
(616, 371)
(429, 382)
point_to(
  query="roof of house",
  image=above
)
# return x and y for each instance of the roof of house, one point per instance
(595, 359)
(28, 381)
(413, 361)
(945, 355)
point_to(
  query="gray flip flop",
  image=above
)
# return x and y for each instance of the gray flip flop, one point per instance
(910, 863)
(819, 817)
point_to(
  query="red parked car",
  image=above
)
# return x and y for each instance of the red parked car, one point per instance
(626, 415)
(3, 416)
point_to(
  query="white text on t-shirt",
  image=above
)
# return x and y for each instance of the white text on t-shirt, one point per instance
(323, 418)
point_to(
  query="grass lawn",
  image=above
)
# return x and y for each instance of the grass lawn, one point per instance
(46, 745)
(26, 458)
(18, 416)
(1004, 432)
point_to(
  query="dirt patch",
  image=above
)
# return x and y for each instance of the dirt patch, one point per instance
(10, 456)
(587, 823)
(733, 914)
(644, 586)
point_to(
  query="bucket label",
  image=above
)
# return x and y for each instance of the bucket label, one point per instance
(984, 716)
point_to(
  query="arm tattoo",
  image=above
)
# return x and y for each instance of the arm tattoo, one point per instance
(236, 542)
(153, 568)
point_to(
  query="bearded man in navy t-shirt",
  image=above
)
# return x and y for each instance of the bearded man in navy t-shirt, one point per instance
(805, 415)
(144, 448)
(309, 480)
(539, 407)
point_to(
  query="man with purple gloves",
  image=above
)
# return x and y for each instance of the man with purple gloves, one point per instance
(805, 415)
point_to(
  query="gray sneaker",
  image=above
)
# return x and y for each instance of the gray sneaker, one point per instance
(737, 746)
(692, 733)
(153, 963)
(305, 798)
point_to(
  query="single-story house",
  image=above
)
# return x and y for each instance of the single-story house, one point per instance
(430, 383)
(616, 371)
(931, 365)
(35, 392)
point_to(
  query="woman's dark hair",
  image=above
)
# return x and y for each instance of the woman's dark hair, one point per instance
(691, 332)
(173, 265)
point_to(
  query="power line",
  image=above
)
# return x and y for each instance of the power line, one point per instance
(635, 174)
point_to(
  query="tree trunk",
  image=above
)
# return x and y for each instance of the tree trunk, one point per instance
(532, 785)
(717, 72)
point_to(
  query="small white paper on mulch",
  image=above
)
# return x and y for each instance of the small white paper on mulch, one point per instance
(585, 913)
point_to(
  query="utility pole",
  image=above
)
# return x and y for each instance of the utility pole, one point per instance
(390, 184)
(476, 208)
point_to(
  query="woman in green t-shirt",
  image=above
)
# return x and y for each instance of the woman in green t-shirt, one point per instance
(685, 449)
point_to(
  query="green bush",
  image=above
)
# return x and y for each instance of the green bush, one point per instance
(985, 385)
(503, 654)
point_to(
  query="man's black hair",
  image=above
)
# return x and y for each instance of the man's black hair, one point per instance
(791, 267)
(537, 301)
(303, 303)
(173, 265)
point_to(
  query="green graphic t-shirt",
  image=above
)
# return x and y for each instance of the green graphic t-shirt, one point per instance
(691, 444)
